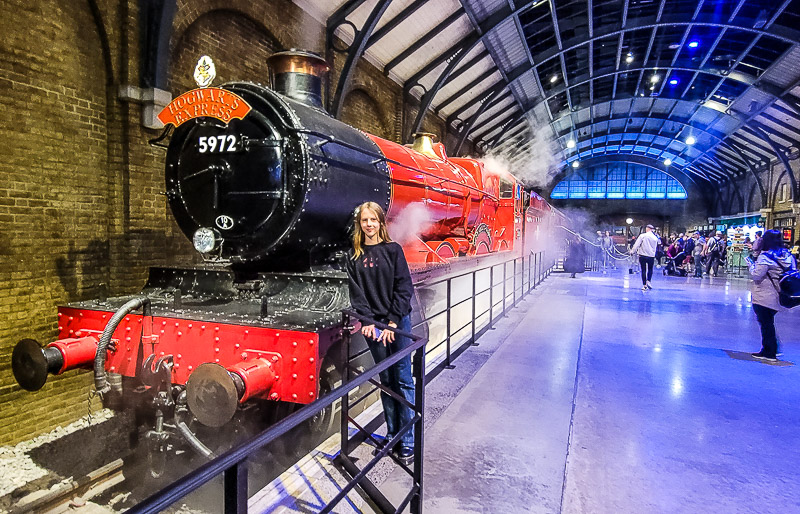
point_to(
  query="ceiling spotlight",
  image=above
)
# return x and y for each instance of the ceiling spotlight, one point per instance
(667, 161)
(629, 58)
(629, 221)
(553, 79)
(655, 78)
(674, 82)
(575, 164)
(571, 143)
(694, 44)
(690, 140)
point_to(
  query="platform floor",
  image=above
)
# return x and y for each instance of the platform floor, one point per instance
(603, 398)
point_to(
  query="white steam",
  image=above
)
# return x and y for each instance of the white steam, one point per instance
(410, 223)
(531, 157)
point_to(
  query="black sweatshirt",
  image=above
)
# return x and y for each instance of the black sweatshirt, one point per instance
(380, 283)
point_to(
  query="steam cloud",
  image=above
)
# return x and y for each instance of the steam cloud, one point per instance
(531, 158)
(409, 223)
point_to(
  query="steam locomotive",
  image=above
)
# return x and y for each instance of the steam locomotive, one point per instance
(264, 182)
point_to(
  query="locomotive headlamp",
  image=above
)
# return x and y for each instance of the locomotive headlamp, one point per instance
(206, 240)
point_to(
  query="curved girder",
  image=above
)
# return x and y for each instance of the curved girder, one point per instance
(456, 55)
(488, 102)
(156, 33)
(785, 34)
(757, 131)
(721, 74)
(640, 115)
(633, 159)
(706, 174)
(355, 51)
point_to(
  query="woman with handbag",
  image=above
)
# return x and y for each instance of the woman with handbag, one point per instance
(766, 272)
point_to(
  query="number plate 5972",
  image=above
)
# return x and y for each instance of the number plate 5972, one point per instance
(218, 144)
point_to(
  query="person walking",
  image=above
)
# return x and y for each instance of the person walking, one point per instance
(765, 272)
(381, 289)
(645, 247)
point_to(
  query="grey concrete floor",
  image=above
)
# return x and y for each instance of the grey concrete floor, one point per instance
(603, 398)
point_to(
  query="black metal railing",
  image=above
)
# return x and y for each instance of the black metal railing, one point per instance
(511, 279)
(358, 476)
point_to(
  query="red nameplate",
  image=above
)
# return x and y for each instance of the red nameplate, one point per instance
(213, 102)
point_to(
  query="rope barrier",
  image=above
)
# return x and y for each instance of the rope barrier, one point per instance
(624, 256)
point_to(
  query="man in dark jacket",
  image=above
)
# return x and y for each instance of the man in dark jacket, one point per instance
(576, 257)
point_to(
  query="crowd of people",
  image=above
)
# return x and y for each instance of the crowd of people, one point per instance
(700, 254)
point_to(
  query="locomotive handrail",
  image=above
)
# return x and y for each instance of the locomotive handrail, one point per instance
(378, 158)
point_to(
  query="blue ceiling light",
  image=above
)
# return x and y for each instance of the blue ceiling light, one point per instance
(674, 82)
(694, 44)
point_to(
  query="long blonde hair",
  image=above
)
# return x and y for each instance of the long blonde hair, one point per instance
(358, 235)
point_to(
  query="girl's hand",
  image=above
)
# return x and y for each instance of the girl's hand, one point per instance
(368, 331)
(387, 336)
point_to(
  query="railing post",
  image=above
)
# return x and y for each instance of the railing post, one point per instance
(474, 308)
(505, 279)
(514, 285)
(447, 364)
(491, 296)
(236, 489)
(345, 412)
(419, 427)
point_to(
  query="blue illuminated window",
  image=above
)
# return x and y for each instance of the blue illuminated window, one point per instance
(619, 180)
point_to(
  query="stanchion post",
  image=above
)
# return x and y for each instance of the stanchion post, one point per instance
(419, 428)
(474, 307)
(235, 478)
(491, 296)
(447, 363)
(345, 412)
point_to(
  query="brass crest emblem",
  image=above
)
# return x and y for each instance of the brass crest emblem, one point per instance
(204, 72)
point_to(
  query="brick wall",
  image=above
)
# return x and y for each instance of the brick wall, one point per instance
(53, 192)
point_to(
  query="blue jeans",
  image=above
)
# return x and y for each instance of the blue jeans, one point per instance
(399, 379)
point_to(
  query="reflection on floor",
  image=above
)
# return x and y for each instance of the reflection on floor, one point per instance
(604, 398)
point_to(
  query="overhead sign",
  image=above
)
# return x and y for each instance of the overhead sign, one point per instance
(213, 102)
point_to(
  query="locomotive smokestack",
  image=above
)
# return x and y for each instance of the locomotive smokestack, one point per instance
(299, 75)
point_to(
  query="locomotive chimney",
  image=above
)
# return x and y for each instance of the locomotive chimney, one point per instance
(299, 75)
(423, 143)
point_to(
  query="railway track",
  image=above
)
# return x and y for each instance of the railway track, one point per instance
(74, 493)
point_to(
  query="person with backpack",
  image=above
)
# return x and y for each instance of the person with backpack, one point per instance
(772, 264)
(715, 250)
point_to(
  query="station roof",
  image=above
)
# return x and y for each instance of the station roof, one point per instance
(709, 88)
